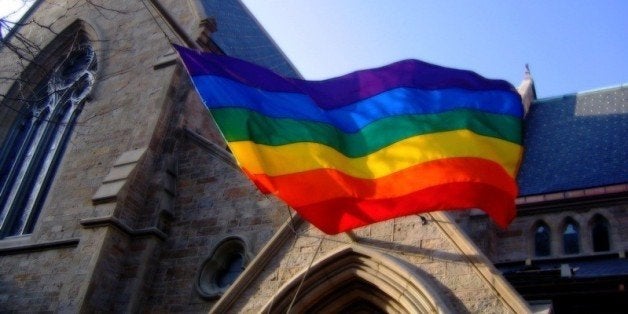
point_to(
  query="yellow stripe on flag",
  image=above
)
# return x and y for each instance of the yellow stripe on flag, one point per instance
(299, 157)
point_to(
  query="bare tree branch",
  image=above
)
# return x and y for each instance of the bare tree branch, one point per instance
(26, 52)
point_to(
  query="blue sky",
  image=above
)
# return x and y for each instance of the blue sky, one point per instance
(570, 45)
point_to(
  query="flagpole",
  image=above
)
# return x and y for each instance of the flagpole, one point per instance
(320, 243)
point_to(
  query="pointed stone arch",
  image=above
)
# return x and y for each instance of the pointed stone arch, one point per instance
(356, 278)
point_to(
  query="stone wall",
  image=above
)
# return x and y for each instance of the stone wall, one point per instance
(434, 253)
(213, 201)
(517, 242)
(65, 264)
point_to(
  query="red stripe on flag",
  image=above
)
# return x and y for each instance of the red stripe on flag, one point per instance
(310, 187)
(341, 215)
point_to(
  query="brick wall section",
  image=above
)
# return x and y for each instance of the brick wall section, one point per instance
(214, 200)
(49, 280)
(130, 258)
(186, 15)
(100, 293)
(32, 281)
(196, 118)
(139, 204)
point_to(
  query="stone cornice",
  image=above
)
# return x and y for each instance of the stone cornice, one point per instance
(114, 222)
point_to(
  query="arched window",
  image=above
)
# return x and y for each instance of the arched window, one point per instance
(571, 237)
(542, 239)
(600, 234)
(33, 147)
(222, 268)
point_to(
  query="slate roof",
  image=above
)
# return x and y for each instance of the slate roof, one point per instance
(238, 31)
(576, 141)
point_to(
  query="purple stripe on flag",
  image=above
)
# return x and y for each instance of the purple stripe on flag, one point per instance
(344, 90)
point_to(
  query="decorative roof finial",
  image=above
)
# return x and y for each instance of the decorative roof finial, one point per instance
(526, 89)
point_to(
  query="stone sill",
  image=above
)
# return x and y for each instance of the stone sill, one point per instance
(20, 247)
(114, 222)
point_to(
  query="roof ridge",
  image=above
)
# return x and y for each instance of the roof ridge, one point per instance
(585, 92)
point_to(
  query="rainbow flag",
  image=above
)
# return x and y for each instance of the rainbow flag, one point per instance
(372, 145)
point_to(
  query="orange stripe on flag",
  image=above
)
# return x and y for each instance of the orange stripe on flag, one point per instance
(309, 187)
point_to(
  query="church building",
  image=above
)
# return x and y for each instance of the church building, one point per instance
(118, 193)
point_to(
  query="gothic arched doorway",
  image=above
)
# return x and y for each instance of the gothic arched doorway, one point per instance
(357, 280)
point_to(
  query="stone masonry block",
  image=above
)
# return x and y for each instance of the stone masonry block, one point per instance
(120, 172)
(130, 156)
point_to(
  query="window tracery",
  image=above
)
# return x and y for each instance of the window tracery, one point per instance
(31, 152)
(222, 268)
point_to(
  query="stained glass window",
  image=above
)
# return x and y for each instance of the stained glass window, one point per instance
(542, 240)
(571, 237)
(222, 268)
(31, 152)
(599, 233)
